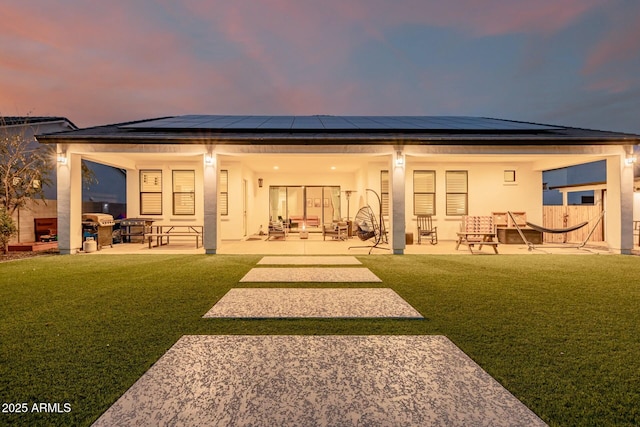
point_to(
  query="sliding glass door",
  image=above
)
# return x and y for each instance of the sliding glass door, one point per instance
(308, 206)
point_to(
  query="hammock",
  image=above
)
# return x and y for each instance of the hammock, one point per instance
(542, 229)
(557, 230)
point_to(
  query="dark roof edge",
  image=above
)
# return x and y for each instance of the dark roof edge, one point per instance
(29, 120)
(377, 139)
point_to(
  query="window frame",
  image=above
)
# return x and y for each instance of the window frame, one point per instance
(192, 193)
(384, 195)
(224, 193)
(144, 203)
(418, 193)
(450, 193)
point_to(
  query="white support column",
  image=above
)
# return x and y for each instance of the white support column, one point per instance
(619, 208)
(69, 194)
(210, 203)
(397, 203)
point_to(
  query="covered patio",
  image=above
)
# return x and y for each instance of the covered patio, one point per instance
(316, 246)
(221, 173)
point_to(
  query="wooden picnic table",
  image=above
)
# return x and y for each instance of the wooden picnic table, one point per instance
(161, 232)
(471, 238)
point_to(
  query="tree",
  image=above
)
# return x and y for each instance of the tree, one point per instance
(24, 167)
(7, 229)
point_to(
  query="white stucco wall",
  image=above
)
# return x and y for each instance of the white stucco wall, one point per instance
(487, 191)
(258, 198)
(133, 191)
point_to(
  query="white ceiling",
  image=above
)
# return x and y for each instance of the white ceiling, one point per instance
(344, 163)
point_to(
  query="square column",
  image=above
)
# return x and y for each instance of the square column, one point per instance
(210, 195)
(69, 195)
(397, 203)
(619, 207)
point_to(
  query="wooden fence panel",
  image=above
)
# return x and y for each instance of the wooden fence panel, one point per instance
(566, 216)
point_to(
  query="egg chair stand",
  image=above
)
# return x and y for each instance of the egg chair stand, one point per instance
(370, 228)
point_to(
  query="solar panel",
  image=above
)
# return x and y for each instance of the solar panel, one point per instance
(337, 123)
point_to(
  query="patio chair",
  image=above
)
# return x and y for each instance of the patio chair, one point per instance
(337, 230)
(277, 230)
(426, 229)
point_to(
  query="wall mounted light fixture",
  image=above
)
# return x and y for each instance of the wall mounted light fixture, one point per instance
(260, 182)
(62, 158)
(630, 159)
(399, 158)
(208, 159)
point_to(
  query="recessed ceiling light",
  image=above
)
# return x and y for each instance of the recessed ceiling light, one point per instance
(333, 168)
(276, 167)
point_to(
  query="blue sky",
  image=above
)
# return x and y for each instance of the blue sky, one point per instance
(569, 62)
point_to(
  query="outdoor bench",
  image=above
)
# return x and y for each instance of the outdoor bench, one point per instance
(162, 232)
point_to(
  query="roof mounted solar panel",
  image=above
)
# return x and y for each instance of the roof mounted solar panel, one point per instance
(265, 123)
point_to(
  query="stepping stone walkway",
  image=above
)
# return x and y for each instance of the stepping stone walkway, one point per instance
(235, 380)
(310, 274)
(309, 260)
(258, 303)
(295, 380)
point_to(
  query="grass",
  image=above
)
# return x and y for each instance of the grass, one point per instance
(562, 333)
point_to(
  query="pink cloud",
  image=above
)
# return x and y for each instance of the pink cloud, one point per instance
(621, 44)
(99, 62)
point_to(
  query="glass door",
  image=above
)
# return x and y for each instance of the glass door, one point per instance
(277, 203)
(308, 206)
(295, 207)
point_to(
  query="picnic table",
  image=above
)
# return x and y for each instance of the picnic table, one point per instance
(477, 230)
(163, 233)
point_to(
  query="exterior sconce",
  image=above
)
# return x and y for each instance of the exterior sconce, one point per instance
(630, 159)
(260, 182)
(62, 158)
(399, 158)
(208, 159)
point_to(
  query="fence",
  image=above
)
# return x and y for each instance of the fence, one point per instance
(566, 216)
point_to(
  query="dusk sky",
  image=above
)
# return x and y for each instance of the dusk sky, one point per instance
(568, 62)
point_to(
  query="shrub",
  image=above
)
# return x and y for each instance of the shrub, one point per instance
(7, 229)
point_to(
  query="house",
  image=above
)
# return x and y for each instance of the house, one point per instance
(27, 127)
(233, 174)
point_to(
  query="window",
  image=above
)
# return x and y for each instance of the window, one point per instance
(510, 176)
(184, 183)
(151, 192)
(456, 183)
(424, 192)
(224, 192)
(384, 192)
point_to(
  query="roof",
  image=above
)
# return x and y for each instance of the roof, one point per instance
(31, 120)
(321, 129)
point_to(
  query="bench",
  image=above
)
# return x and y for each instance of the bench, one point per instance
(160, 238)
(162, 232)
(477, 230)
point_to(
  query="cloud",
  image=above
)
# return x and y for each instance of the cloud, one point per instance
(613, 63)
(101, 62)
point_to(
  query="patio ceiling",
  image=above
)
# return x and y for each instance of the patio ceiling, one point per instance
(338, 163)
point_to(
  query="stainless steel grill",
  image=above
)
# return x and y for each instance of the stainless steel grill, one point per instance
(99, 226)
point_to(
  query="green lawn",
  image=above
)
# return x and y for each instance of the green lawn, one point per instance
(562, 333)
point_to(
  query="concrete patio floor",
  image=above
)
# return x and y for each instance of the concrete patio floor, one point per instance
(314, 245)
